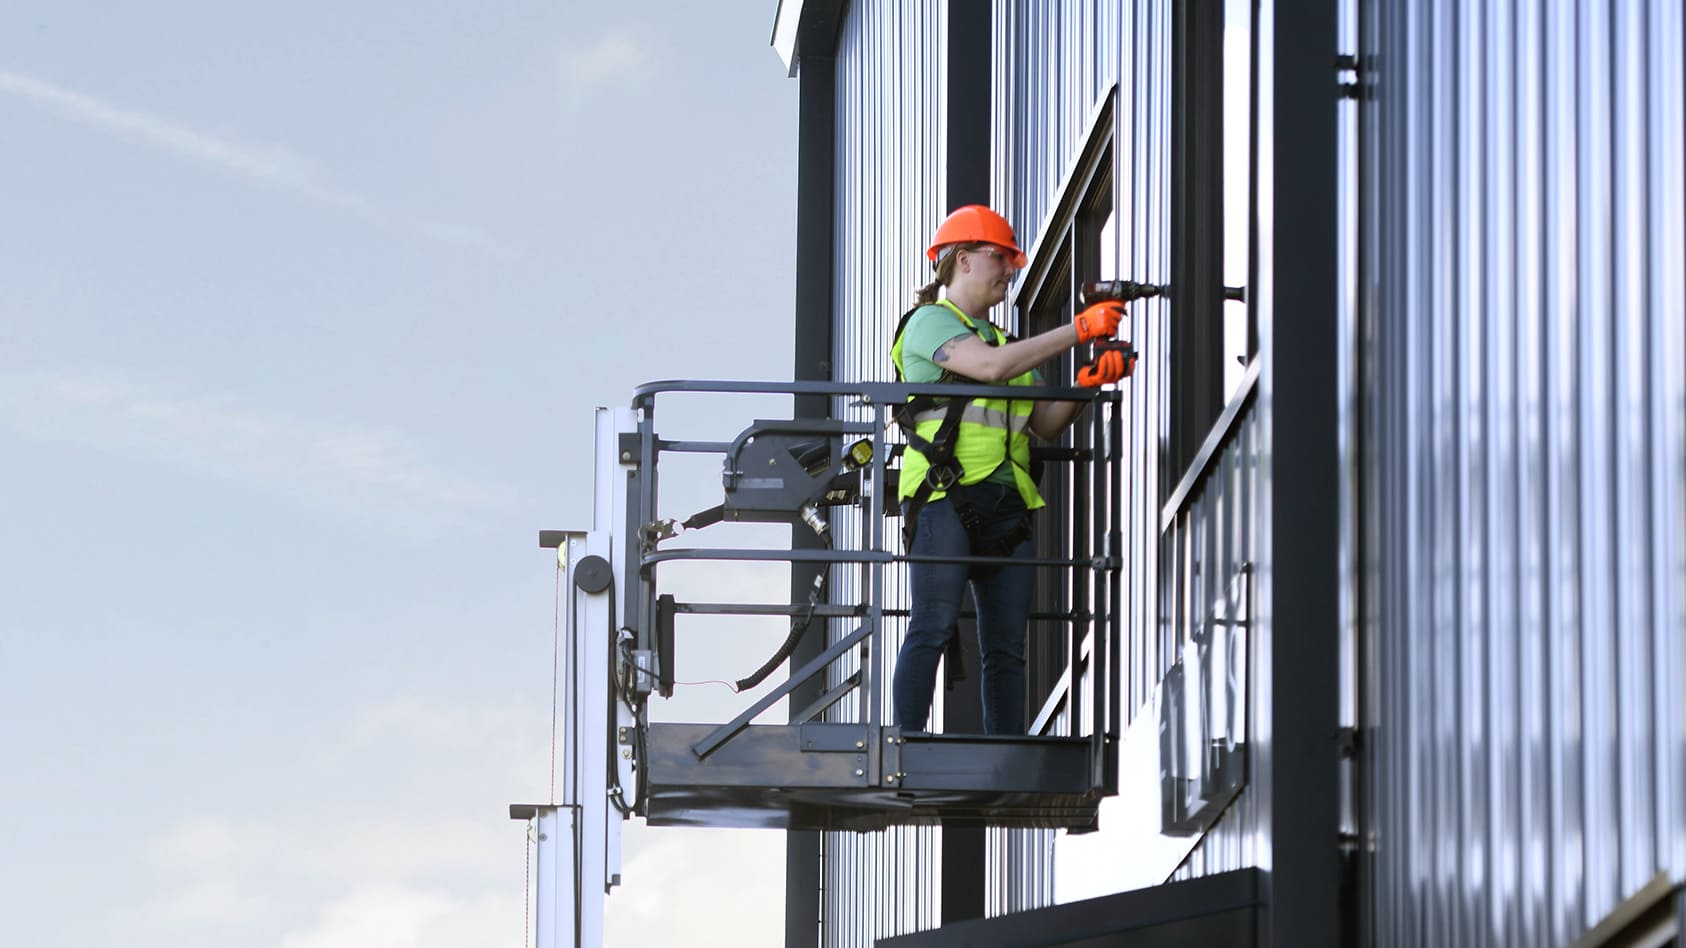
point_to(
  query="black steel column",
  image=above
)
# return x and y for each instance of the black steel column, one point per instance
(1305, 876)
(815, 255)
(967, 182)
(1197, 230)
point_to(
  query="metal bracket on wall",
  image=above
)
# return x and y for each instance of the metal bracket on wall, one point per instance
(1345, 63)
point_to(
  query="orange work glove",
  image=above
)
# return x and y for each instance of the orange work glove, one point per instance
(1098, 321)
(1109, 366)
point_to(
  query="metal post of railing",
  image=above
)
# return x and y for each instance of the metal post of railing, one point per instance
(871, 540)
(639, 605)
(1080, 507)
(874, 660)
(1099, 594)
(1087, 506)
(1084, 724)
(1115, 581)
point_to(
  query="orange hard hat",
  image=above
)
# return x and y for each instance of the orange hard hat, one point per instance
(975, 224)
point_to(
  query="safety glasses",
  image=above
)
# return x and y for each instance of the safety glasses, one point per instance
(1006, 259)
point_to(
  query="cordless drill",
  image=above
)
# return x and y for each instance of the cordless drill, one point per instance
(1113, 358)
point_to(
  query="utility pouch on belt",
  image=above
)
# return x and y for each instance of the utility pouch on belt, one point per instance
(943, 471)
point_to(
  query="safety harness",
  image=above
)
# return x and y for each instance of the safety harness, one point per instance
(945, 472)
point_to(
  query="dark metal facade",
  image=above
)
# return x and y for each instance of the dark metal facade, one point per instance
(1454, 480)
(890, 152)
(1058, 61)
(1054, 63)
(1054, 66)
(1524, 464)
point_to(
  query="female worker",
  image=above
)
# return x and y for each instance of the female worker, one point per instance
(966, 487)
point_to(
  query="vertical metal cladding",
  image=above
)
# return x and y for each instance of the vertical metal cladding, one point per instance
(890, 156)
(1524, 456)
(1056, 61)
(1141, 216)
(1052, 62)
(1022, 862)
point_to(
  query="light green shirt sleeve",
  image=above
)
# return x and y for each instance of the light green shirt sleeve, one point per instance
(927, 329)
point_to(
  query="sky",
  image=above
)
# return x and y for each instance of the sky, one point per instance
(304, 309)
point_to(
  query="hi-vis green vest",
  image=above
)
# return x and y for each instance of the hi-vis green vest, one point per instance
(991, 429)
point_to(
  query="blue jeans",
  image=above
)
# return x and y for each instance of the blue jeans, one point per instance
(1002, 598)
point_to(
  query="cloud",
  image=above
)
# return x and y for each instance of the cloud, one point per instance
(614, 59)
(365, 467)
(271, 166)
(208, 903)
(434, 726)
(327, 884)
(410, 872)
(218, 850)
(393, 916)
(397, 860)
(671, 891)
(200, 842)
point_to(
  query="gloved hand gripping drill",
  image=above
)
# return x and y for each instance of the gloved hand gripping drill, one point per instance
(1103, 304)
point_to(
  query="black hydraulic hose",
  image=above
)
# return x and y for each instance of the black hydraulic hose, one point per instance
(797, 627)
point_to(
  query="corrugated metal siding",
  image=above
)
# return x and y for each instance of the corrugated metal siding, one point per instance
(1524, 452)
(1142, 216)
(1056, 63)
(889, 161)
(1053, 61)
(1022, 863)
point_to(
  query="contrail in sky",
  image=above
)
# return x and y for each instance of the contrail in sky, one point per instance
(268, 165)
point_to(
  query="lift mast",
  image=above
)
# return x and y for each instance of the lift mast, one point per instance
(577, 839)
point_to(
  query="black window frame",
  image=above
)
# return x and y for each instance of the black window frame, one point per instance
(1197, 391)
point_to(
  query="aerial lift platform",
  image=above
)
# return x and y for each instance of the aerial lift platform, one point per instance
(836, 763)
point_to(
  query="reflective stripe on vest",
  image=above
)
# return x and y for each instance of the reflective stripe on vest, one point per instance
(977, 412)
(990, 431)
